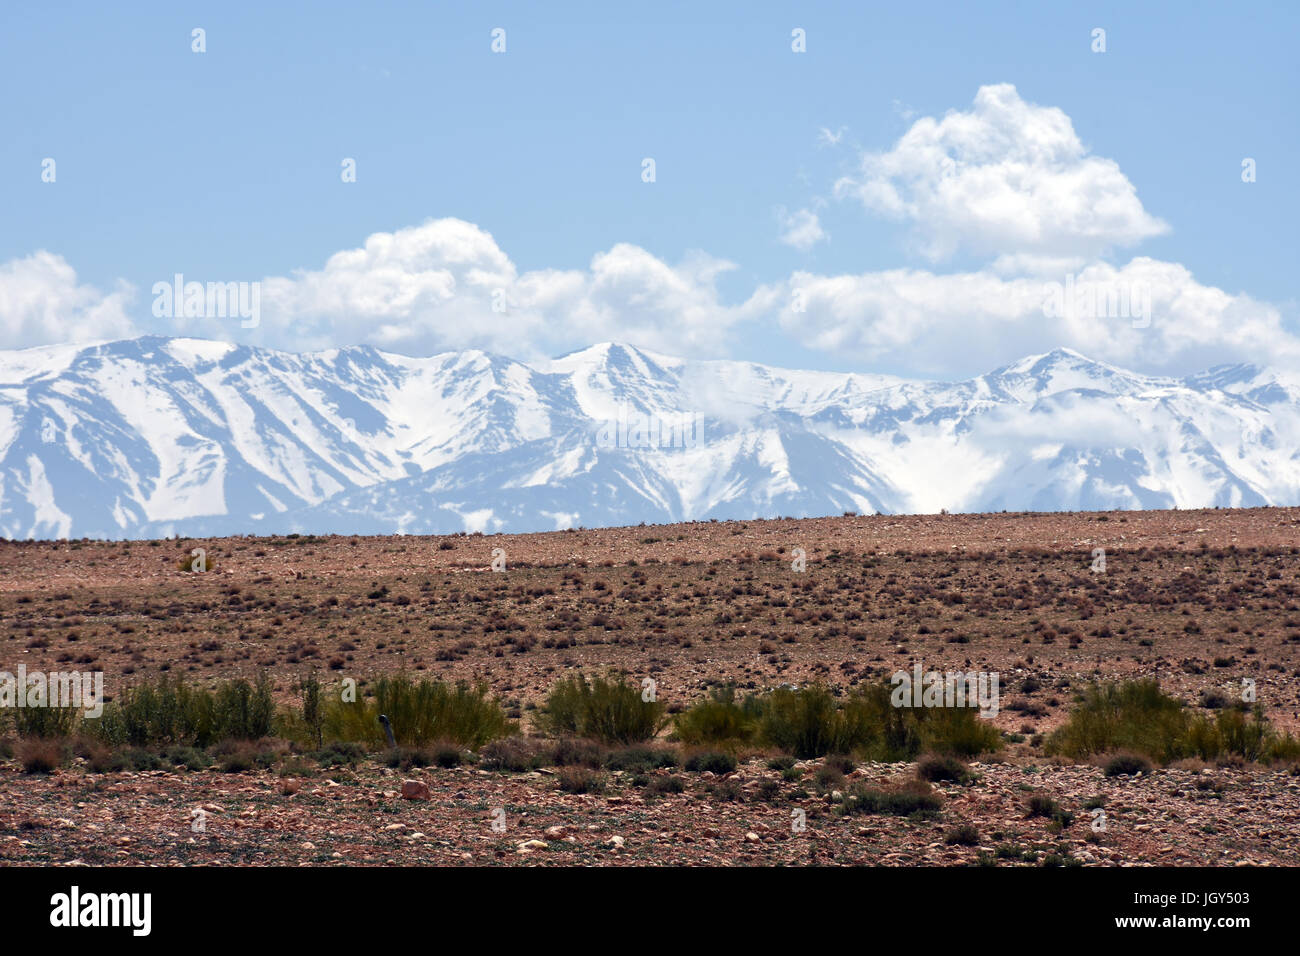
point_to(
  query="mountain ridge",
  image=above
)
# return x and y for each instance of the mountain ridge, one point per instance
(155, 436)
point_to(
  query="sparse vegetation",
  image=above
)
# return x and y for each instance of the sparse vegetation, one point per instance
(1127, 765)
(915, 798)
(719, 720)
(964, 835)
(172, 711)
(810, 722)
(41, 755)
(774, 682)
(605, 708)
(711, 762)
(421, 713)
(1138, 718)
(937, 767)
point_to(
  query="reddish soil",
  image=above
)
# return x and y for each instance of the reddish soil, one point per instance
(1199, 599)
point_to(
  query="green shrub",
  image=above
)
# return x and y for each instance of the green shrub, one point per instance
(580, 780)
(420, 713)
(339, 754)
(913, 798)
(1040, 805)
(1127, 765)
(170, 711)
(137, 759)
(313, 708)
(640, 758)
(809, 722)
(46, 722)
(407, 757)
(244, 711)
(447, 756)
(1237, 734)
(936, 767)
(666, 785)
(711, 761)
(1283, 747)
(243, 756)
(574, 752)
(828, 778)
(439, 755)
(727, 790)
(190, 563)
(1137, 717)
(1133, 716)
(718, 721)
(238, 761)
(513, 754)
(605, 708)
(964, 835)
(190, 758)
(957, 730)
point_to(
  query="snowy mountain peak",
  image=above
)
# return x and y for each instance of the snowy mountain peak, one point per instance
(154, 436)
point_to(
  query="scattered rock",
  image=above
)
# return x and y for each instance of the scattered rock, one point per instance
(414, 790)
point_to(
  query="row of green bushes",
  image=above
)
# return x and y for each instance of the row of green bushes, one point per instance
(172, 712)
(807, 722)
(420, 713)
(811, 722)
(165, 711)
(1138, 717)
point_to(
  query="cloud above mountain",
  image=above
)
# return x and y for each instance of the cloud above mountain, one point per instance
(1147, 314)
(42, 302)
(447, 284)
(1006, 180)
(1004, 177)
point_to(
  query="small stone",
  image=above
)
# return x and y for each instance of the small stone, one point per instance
(414, 790)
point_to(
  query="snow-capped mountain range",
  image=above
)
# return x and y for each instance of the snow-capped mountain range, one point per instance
(154, 436)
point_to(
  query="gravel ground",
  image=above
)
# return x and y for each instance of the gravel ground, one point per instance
(1199, 599)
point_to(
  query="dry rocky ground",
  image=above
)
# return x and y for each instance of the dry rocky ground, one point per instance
(1199, 599)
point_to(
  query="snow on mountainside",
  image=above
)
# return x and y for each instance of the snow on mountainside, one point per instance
(154, 436)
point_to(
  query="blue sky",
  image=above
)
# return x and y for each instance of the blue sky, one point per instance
(225, 166)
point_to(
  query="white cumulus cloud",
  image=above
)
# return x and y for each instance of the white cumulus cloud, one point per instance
(446, 284)
(1005, 177)
(801, 229)
(1147, 315)
(43, 303)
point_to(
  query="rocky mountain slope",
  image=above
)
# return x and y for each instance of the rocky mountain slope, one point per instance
(156, 436)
